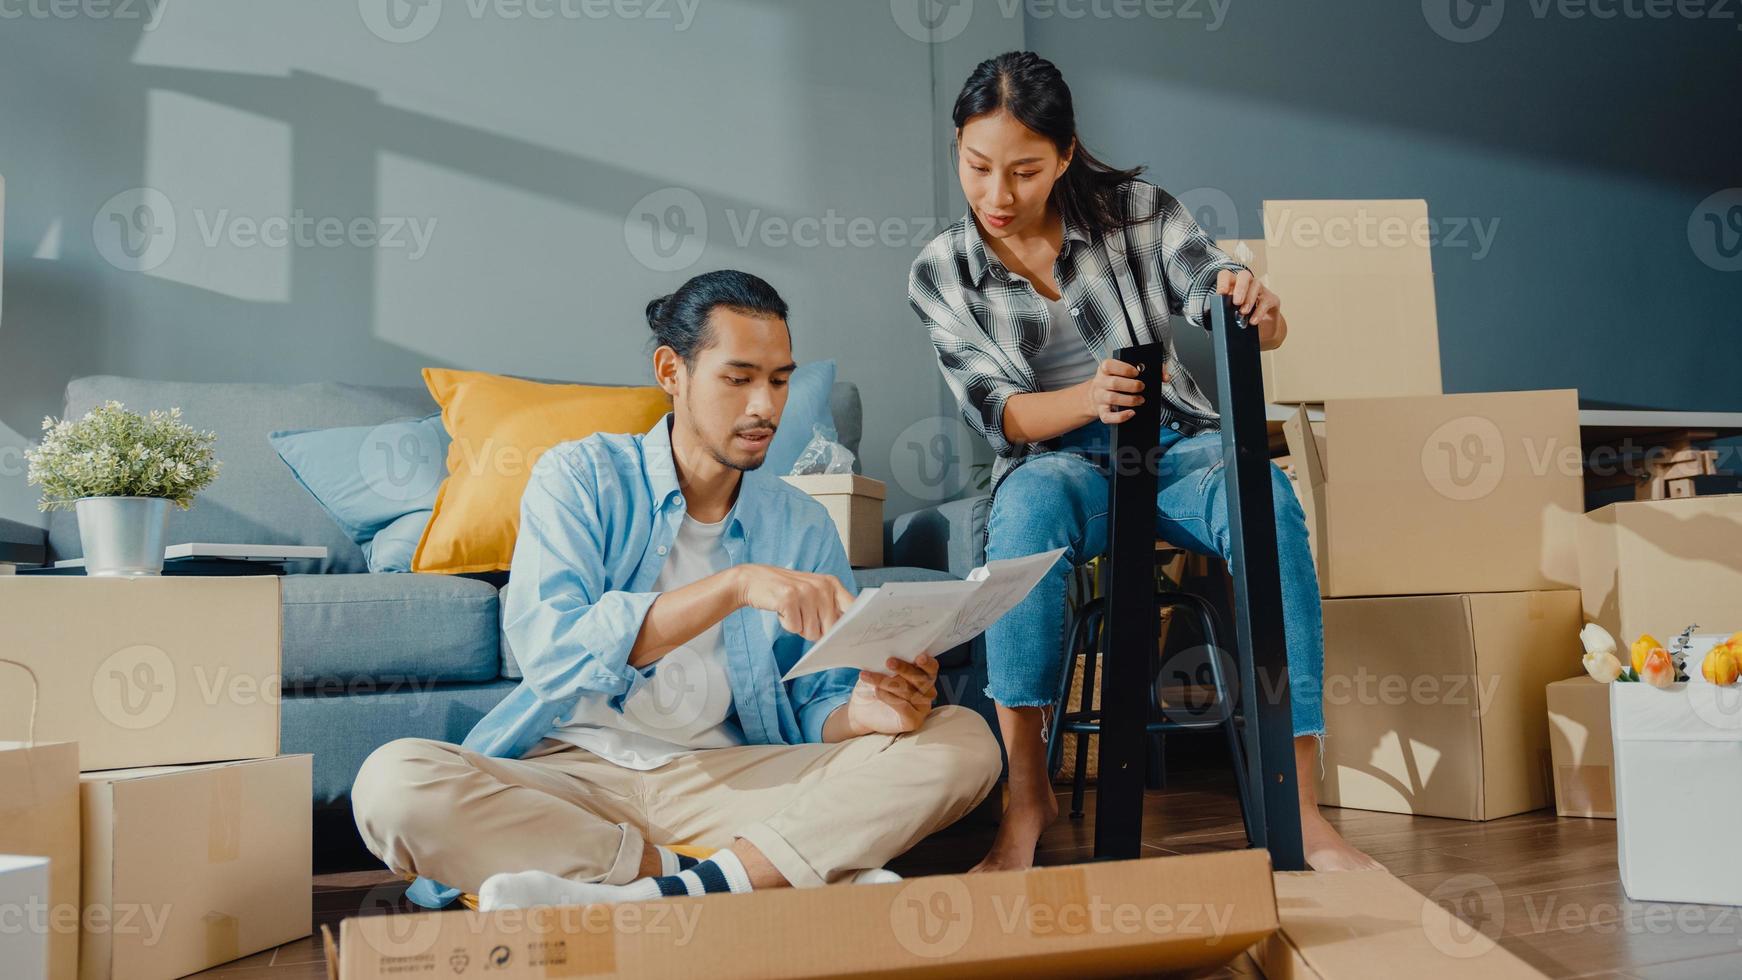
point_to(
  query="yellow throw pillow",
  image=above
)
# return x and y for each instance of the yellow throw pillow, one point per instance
(500, 426)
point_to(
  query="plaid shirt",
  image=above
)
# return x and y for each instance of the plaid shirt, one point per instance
(986, 322)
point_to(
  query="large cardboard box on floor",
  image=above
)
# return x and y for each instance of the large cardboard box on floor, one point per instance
(39, 818)
(1435, 704)
(1175, 915)
(1360, 924)
(1356, 282)
(855, 504)
(163, 670)
(1579, 742)
(1678, 787)
(1444, 493)
(1658, 566)
(187, 867)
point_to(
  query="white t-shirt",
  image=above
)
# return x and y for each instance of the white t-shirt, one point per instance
(1065, 360)
(687, 702)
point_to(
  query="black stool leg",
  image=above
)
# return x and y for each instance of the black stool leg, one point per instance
(1206, 616)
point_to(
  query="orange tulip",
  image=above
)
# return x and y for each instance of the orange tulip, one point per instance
(1735, 640)
(1642, 646)
(1659, 669)
(1720, 665)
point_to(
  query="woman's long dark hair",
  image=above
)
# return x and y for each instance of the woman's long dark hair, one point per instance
(1032, 90)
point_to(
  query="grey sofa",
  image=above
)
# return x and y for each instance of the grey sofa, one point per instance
(367, 657)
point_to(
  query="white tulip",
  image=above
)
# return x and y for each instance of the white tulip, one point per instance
(1597, 640)
(1603, 667)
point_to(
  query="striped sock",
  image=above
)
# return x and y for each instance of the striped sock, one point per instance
(671, 862)
(525, 889)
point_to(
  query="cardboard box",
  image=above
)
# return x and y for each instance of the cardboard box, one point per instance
(1656, 566)
(23, 886)
(1445, 493)
(1436, 704)
(187, 867)
(148, 671)
(1356, 282)
(39, 817)
(1578, 740)
(1172, 914)
(855, 504)
(1369, 924)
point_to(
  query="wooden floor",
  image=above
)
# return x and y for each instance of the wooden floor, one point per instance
(1546, 887)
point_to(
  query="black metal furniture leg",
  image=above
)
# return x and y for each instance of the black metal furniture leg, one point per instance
(1258, 634)
(1133, 627)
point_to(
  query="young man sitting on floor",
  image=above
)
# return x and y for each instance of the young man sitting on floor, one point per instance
(660, 588)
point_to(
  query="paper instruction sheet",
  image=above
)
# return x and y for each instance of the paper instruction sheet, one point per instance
(906, 619)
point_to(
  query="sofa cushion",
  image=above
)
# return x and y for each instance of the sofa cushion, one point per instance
(348, 634)
(255, 500)
(368, 476)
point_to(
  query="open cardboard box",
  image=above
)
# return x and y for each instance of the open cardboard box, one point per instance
(1656, 566)
(1185, 914)
(1222, 916)
(1316, 255)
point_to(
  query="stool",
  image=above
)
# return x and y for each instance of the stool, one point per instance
(1085, 637)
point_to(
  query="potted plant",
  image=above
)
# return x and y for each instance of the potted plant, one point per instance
(120, 471)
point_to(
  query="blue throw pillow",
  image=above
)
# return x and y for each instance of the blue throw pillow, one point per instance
(392, 548)
(807, 407)
(369, 478)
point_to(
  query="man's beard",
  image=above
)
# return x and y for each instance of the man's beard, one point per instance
(742, 467)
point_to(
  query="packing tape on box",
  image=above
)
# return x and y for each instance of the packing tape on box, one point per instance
(224, 840)
(223, 938)
(1057, 890)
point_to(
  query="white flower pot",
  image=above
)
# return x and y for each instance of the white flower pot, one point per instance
(123, 536)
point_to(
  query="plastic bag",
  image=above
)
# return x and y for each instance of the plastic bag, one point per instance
(822, 455)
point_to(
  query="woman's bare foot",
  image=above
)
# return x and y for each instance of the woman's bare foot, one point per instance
(1019, 833)
(1325, 849)
(1030, 806)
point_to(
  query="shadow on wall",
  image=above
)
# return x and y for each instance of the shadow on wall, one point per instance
(532, 142)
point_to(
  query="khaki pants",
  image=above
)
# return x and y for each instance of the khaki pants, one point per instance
(817, 812)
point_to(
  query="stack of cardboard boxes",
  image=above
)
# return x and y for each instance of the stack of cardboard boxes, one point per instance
(177, 837)
(1443, 525)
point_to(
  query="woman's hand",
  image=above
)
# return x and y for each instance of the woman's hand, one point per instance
(1114, 391)
(1258, 304)
(896, 702)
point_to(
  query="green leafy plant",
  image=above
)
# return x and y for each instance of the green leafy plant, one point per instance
(112, 452)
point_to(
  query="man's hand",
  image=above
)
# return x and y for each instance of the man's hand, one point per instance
(806, 602)
(1258, 304)
(896, 702)
(1114, 391)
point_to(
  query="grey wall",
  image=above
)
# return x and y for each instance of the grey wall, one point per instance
(1587, 145)
(523, 149)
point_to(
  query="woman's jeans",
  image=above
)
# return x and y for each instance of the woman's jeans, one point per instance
(1059, 500)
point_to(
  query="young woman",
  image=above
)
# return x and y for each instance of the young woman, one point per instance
(1059, 261)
